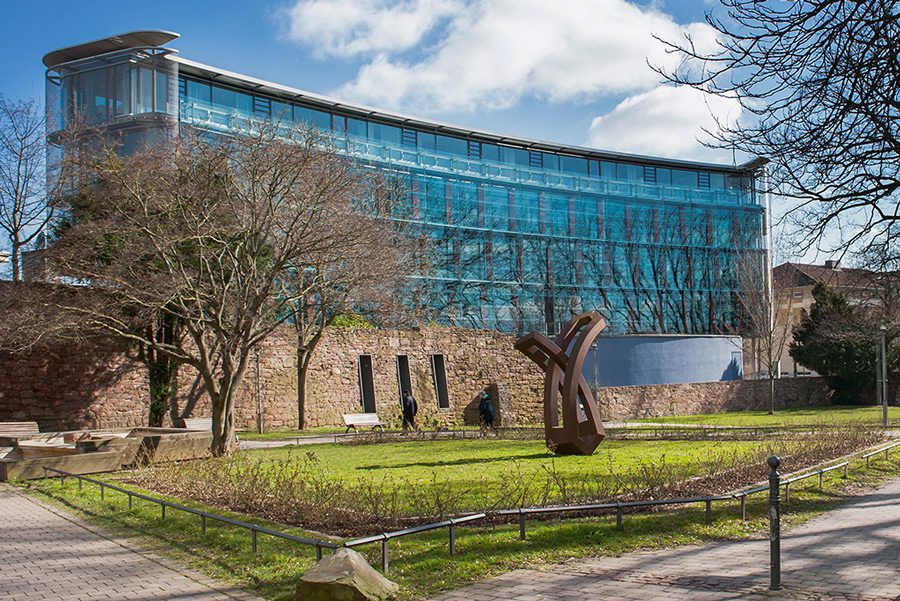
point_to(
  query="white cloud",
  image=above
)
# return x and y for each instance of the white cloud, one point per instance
(666, 121)
(357, 27)
(491, 53)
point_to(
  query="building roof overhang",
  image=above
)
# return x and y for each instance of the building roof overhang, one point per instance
(253, 84)
(124, 41)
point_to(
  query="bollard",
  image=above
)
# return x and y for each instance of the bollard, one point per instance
(521, 525)
(743, 507)
(203, 523)
(130, 501)
(452, 539)
(385, 562)
(774, 524)
(708, 514)
(318, 552)
(253, 539)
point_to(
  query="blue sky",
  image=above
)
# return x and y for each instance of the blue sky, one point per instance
(532, 68)
(568, 71)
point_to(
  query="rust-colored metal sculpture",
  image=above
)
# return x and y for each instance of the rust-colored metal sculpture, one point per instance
(581, 429)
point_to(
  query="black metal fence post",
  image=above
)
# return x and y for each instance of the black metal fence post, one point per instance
(774, 523)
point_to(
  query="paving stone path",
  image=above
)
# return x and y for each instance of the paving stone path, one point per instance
(849, 554)
(48, 554)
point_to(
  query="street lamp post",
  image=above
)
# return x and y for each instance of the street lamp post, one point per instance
(884, 377)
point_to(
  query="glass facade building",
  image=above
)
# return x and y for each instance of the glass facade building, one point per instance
(519, 234)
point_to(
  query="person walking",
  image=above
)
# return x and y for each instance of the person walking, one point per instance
(486, 410)
(410, 408)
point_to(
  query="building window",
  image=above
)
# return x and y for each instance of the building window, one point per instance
(703, 180)
(474, 149)
(262, 106)
(798, 295)
(404, 382)
(439, 372)
(366, 384)
(408, 137)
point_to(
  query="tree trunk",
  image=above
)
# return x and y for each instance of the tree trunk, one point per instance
(14, 259)
(162, 372)
(771, 395)
(223, 423)
(302, 369)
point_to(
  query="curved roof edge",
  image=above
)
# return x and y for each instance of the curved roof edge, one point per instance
(262, 86)
(123, 41)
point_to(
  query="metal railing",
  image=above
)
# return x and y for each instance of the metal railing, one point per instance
(884, 450)
(254, 529)
(618, 507)
(451, 524)
(385, 537)
(786, 482)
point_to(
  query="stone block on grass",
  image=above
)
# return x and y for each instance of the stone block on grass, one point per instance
(345, 575)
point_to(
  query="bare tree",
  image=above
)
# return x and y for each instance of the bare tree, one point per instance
(364, 273)
(765, 315)
(25, 202)
(223, 236)
(819, 81)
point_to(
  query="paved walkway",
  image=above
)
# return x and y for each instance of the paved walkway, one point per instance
(50, 555)
(849, 554)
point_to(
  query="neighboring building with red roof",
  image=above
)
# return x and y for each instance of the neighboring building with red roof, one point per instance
(794, 283)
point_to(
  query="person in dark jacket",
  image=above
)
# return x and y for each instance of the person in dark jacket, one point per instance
(410, 408)
(486, 410)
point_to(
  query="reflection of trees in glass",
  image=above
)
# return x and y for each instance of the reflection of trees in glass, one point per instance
(518, 260)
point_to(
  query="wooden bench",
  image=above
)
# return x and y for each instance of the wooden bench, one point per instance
(354, 420)
(203, 424)
(18, 429)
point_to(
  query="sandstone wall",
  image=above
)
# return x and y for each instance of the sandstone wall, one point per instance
(474, 360)
(628, 402)
(102, 387)
(73, 387)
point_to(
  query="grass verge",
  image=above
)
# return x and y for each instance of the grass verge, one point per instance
(792, 416)
(421, 563)
(365, 489)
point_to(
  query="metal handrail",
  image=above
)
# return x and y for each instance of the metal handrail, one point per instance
(452, 523)
(204, 515)
(385, 537)
(884, 450)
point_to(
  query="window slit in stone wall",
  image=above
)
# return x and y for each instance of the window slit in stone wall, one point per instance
(403, 380)
(366, 384)
(439, 372)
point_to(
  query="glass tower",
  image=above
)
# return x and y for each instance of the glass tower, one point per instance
(519, 234)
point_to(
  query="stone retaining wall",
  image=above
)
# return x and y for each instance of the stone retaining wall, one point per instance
(102, 387)
(73, 387)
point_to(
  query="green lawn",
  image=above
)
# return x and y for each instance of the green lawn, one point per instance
(840, 414)
(447, 476)
(786, 417)
(421, 563)
(496, 459)
(367, 488)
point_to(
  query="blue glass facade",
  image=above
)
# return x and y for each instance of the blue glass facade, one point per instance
(519, 234)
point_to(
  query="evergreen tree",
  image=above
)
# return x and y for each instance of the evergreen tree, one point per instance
(836, 340)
